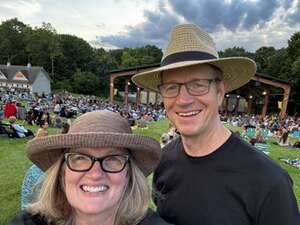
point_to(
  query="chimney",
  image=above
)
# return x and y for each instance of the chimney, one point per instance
(8, 63)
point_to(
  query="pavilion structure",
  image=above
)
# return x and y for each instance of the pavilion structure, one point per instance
(260, 86)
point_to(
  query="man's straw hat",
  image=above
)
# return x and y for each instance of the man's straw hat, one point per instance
(189, 45)
(96, 130)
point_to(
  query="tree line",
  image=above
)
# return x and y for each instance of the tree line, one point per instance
(74, 65)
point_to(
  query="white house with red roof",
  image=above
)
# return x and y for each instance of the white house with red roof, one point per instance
(24, 79)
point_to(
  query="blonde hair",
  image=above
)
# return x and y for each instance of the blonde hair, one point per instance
(51, 202)
(53, 205)
(135, 199)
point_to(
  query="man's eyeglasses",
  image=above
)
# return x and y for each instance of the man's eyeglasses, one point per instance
(79, 162)
(194, 87)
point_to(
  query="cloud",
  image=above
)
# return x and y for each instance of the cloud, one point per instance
(154, 30)
(294, 13)
(245, 23)
(233, 15)
(22, 9)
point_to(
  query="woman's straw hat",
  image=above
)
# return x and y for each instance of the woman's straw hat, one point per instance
(94, 130)
(189, 45)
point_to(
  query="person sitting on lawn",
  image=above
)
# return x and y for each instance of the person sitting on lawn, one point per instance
(20, 130)
(284, 138)
(10, 109)
(259, 138)
(43, 130)
(58, 123)
(141, 122)
(31, 185)
(34, 174)
(164, 139)
(297, 143)
(65, 128)
(2, 131)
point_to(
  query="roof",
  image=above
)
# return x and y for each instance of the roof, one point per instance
(30, 73)
(136, 68)
(272, 78)
(158, 64)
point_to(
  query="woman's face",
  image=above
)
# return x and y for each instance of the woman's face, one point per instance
(95, 192)
(45, 125)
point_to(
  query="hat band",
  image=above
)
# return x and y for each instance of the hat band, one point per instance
(186, 56)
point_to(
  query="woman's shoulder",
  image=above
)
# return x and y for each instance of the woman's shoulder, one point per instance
(26, 218)
(152, 218)
(41, 133)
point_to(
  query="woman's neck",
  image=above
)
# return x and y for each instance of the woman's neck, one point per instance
(84, 219)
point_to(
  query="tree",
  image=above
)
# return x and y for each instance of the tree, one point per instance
(43, 47)
(116, 54)
(262, 57)
(129, 59)
(76, 54)
(86, 83)
(235, 51)
(141, 56)
(293, 48)
(154, 52)
(106, 61)
(12, 42)
(278, 65)
(293, 53)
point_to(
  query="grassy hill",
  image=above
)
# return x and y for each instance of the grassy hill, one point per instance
(14, 164)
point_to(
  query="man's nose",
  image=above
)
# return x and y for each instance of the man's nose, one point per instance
(183, 96)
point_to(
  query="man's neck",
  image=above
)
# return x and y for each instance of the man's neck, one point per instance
(207, 142)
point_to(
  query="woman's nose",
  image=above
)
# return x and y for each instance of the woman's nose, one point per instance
(96, 170)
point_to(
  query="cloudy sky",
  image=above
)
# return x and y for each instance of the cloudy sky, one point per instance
(131, 23)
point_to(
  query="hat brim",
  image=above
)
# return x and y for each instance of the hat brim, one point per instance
(45, 151)
(237, 71)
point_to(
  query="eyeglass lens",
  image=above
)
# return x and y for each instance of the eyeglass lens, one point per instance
(81, 162)
(194, 87)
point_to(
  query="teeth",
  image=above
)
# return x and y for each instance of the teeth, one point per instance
(94, 188)
(189, 113)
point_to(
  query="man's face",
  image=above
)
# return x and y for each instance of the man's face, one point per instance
(194, 115)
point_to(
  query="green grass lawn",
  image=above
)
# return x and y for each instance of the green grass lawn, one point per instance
(277, 152)
(14, 164)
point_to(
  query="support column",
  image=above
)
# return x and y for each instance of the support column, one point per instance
(138, 96)
(111, 89)
(126, 91)
(236, 110)
(147, 101)
(285, 102)
(249, 108)
(156, 98)
(266, 102)
(226, 104)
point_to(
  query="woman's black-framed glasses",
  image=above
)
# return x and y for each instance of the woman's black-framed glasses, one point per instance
(196, 87)
(80, 162)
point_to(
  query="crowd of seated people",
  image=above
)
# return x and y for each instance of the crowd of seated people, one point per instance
(257, 129)
(18, 131)
(57, 109)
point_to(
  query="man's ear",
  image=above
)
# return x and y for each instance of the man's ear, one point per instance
(222, 87)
